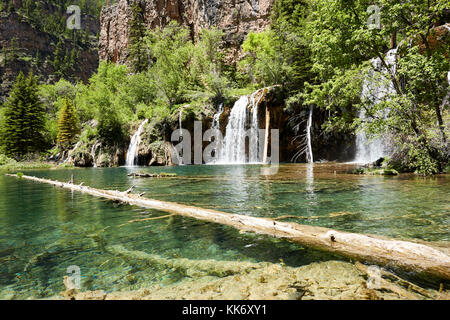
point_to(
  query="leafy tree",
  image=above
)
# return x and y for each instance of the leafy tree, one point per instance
(280, 54)
(67, 125)
(208, 63)
(342, 45)
(264, 63)
(24, 118)
(100, 100)
(171, 49)
(110, 128)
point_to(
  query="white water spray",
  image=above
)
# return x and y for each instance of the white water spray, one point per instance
(233, 150)
(133, 149)
(180, 121)
(371, 150)
(309, 153)
(94, 151)
(216, 118)
(240, 125)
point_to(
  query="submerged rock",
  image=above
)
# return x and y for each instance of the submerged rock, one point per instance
(334, 280)
(375, 171)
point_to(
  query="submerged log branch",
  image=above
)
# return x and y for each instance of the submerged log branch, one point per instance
(152, 175)
(190, 267)
(407, 255)
(131, 189)
(151, 219)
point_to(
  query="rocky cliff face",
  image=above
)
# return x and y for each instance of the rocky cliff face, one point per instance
(34, 50)
(235, 17)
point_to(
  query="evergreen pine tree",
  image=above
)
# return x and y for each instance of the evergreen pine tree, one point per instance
(67, 125)
(137, 49)
(24, 118)
(58, 59)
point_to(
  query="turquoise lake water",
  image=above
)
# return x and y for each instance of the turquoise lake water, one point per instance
(44, 230)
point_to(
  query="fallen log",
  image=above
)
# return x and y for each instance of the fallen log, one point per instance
(411, 256)
(152, 175)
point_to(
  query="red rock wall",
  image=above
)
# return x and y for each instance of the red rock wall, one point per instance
(235, 17)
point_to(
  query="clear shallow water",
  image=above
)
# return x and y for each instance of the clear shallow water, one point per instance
(43, 229)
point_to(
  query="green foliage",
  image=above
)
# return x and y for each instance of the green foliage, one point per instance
(23, 118)
(137, 49)
(281, 55)
(109, 125)
(341, 44)
(64, 61)
(319, 51)
(375, 171)
(10, 52)
(171, 49)
(25, 165)
(54, 13)
(101, 100)
(103, 92)
(183, 71)
(67, 125)
(5, 160)
(263, 62)
(209, 66)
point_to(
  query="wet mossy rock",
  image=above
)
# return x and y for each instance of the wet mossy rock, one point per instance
(376, 171)
(105, 156)
(152, 175)
(155, 148)
(379, 167)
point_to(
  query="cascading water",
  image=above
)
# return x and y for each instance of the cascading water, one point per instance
(309, 153)
(133, 149)
(233, 149)
(368, 150)
(375, 89)
(215, 125)
(93, 152)
(216, 118)
(304, 137)
(69, 154)
(254, 156)
(180, 121)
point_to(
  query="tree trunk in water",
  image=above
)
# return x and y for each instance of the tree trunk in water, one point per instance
(408, 255)
(266, 137)
(440, 121)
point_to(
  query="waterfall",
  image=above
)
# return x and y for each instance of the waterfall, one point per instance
(233, 150)
(240, 126)
(216, 118)
(254, 139)
(69, 154)
(309, 154)
(180, 121)
(133, 149)
(93, 151)
(175, 156)
(371, 150)
(215, 125)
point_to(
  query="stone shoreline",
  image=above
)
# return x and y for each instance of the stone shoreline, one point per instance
(331, 280)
